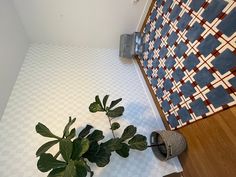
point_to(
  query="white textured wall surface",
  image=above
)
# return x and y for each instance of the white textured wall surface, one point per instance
(96, 23)
(143, 15)
(13, 46)
(57, 82)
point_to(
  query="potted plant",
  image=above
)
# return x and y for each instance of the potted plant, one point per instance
(76, 151)
(167, 144)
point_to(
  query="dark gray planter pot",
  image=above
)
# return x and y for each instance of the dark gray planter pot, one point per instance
(167, 144)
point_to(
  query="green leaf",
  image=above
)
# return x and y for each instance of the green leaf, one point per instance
(115, 126)
(124, 151)
(76, 148)
(66, 147)
(85, 131)
(95, 107)
(84, 145)
(88, 169)
(45, 147)
(92, 151)
(80, 146)
(96, 135)
(98, 154)
(129, 132)
(102, 158)
(115, 112)
(104, 101)
(98, 101)
(112, 144)
(115, 102)
(67, 127)
(47, 162)
(72, 134)
(138, 142)
(44, 131)
(70, 170)
(81, 169)
(58, 172)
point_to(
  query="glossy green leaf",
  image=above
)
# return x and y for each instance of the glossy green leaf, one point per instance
(124, 151)
(112, 144)
(44, 131)
(67, 127)
(72, 134)
(102, 158)
(85, 131)
(81, 169)
(117, 112)
(96, 135)
(115, 102)
(80, 146)
(98, 154)
(47, 162)
(45, 147)
(76, 148)
(84, 145)
(138, 142)
(129, 132)
(104, 101)
(58, 172)
(115, 126)
(66, 147)
(95, 107)
(70, 170)
(92, 151)
(98, 101)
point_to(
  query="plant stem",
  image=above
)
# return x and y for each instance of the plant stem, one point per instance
(154, 145)
(57, 154)
(110, 127)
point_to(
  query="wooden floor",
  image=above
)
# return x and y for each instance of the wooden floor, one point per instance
(211, 143)
(211, 146)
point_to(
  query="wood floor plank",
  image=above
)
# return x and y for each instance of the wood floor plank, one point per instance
(211, 146)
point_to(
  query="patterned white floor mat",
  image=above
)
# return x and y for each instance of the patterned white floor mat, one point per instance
(57, 82)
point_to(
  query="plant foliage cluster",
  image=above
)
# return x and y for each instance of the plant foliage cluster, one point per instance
(76, 151)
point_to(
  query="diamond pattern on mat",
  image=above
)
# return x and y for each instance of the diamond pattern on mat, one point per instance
(199, 63)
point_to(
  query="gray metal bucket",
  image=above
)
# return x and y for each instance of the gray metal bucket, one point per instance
(131, 45)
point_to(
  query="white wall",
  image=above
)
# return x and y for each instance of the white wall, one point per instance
(143, 15)
(96, 23)
(13, 46)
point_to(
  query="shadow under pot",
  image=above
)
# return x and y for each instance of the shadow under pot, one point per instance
(167, 144)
